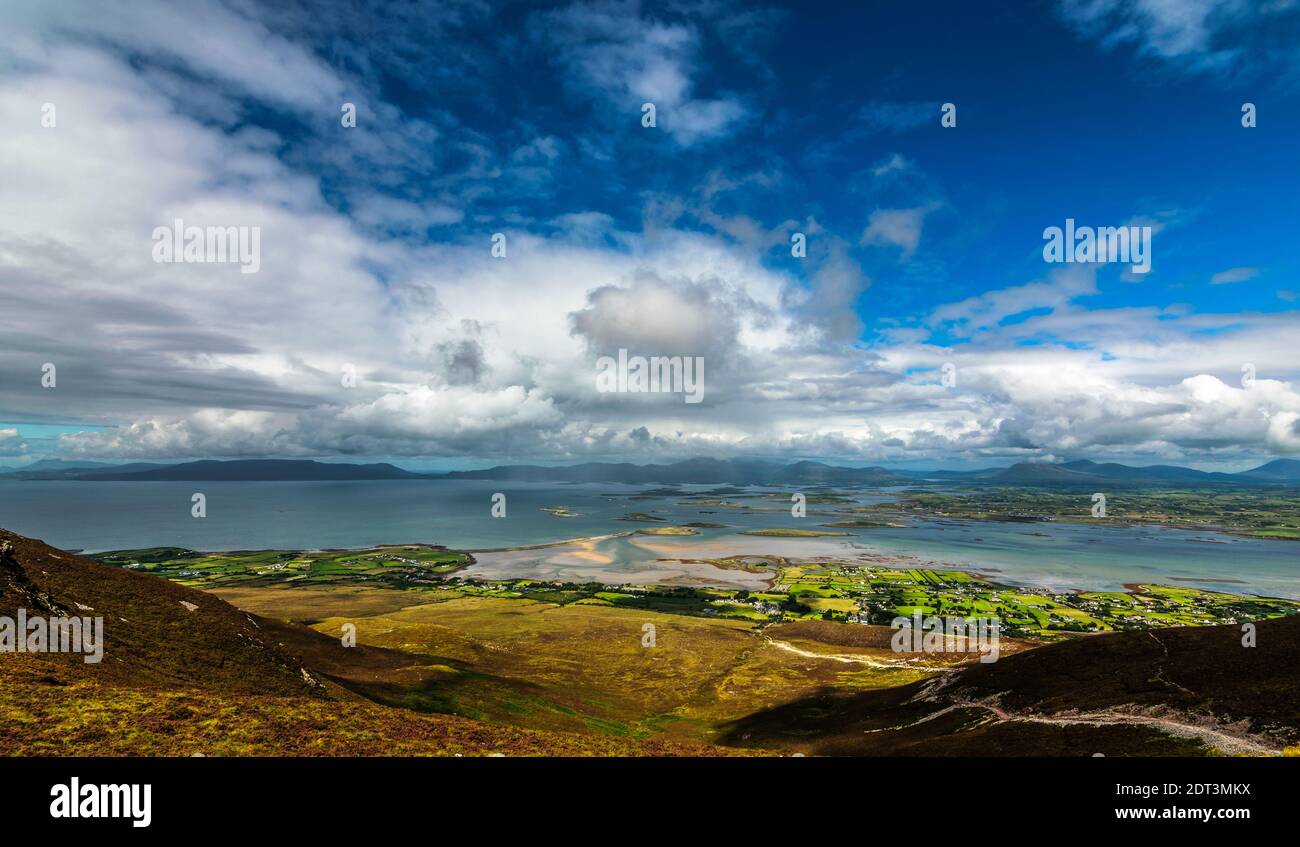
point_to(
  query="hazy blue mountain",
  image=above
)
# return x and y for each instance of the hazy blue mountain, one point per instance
(707, 471)
(253, 470)
(1278, 470)
(63, 465)
(51, 469)
(1081, 473)
(1023, 473)
(1148, 473)
(1085, 473)
(55, 467)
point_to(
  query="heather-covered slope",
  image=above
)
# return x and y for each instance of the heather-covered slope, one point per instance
(151, 637)
(1193, 690)
(184, 672)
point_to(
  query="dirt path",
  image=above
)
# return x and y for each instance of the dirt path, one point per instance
(910, 664)
(1227, 742)
(859, 660)
(1232, 744)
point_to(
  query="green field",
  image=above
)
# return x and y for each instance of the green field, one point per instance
(830, 591)
(392, 566)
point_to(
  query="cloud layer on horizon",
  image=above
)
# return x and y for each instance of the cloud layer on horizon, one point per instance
(458, 353)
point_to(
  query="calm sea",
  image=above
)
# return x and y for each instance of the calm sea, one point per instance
(96, 516)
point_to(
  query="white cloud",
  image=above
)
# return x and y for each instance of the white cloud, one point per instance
(1234, 275)
(202, 434)
(11, 443)
(892, 164)
(377, 210)
(899, 228)
(630, 58)
(1198, 35)
(1284, 432)
(234, 47)
(984, 311)
(653, 316)
(426, 420)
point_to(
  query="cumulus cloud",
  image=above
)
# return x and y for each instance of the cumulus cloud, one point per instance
(435, 421)
(458, 353)
(829, 303)
(11, 443)
(1284, 432)
(654, 316)
(202, 434)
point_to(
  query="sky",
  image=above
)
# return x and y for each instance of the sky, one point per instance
(436, 284)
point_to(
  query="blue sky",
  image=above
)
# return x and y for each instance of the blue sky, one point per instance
(1051, 125)
(924, 242)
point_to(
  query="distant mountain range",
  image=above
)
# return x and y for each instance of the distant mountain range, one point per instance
(1077, 474)
(65, 464)
(736, 471)
(55, 465)
(1084, 473)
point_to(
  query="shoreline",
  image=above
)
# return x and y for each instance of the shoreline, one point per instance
(1079, 520)
(996, 578)
(769, 577)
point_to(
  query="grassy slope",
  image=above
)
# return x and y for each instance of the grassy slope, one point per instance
(216, 680)
(44, 713)
(579, 667)
(151, 639)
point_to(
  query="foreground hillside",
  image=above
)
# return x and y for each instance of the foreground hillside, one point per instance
(185, 672)
(816, 687)
(44, 713)
(1178, 691)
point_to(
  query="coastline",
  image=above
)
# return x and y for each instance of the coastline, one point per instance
(584, 550)
(985, 575)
